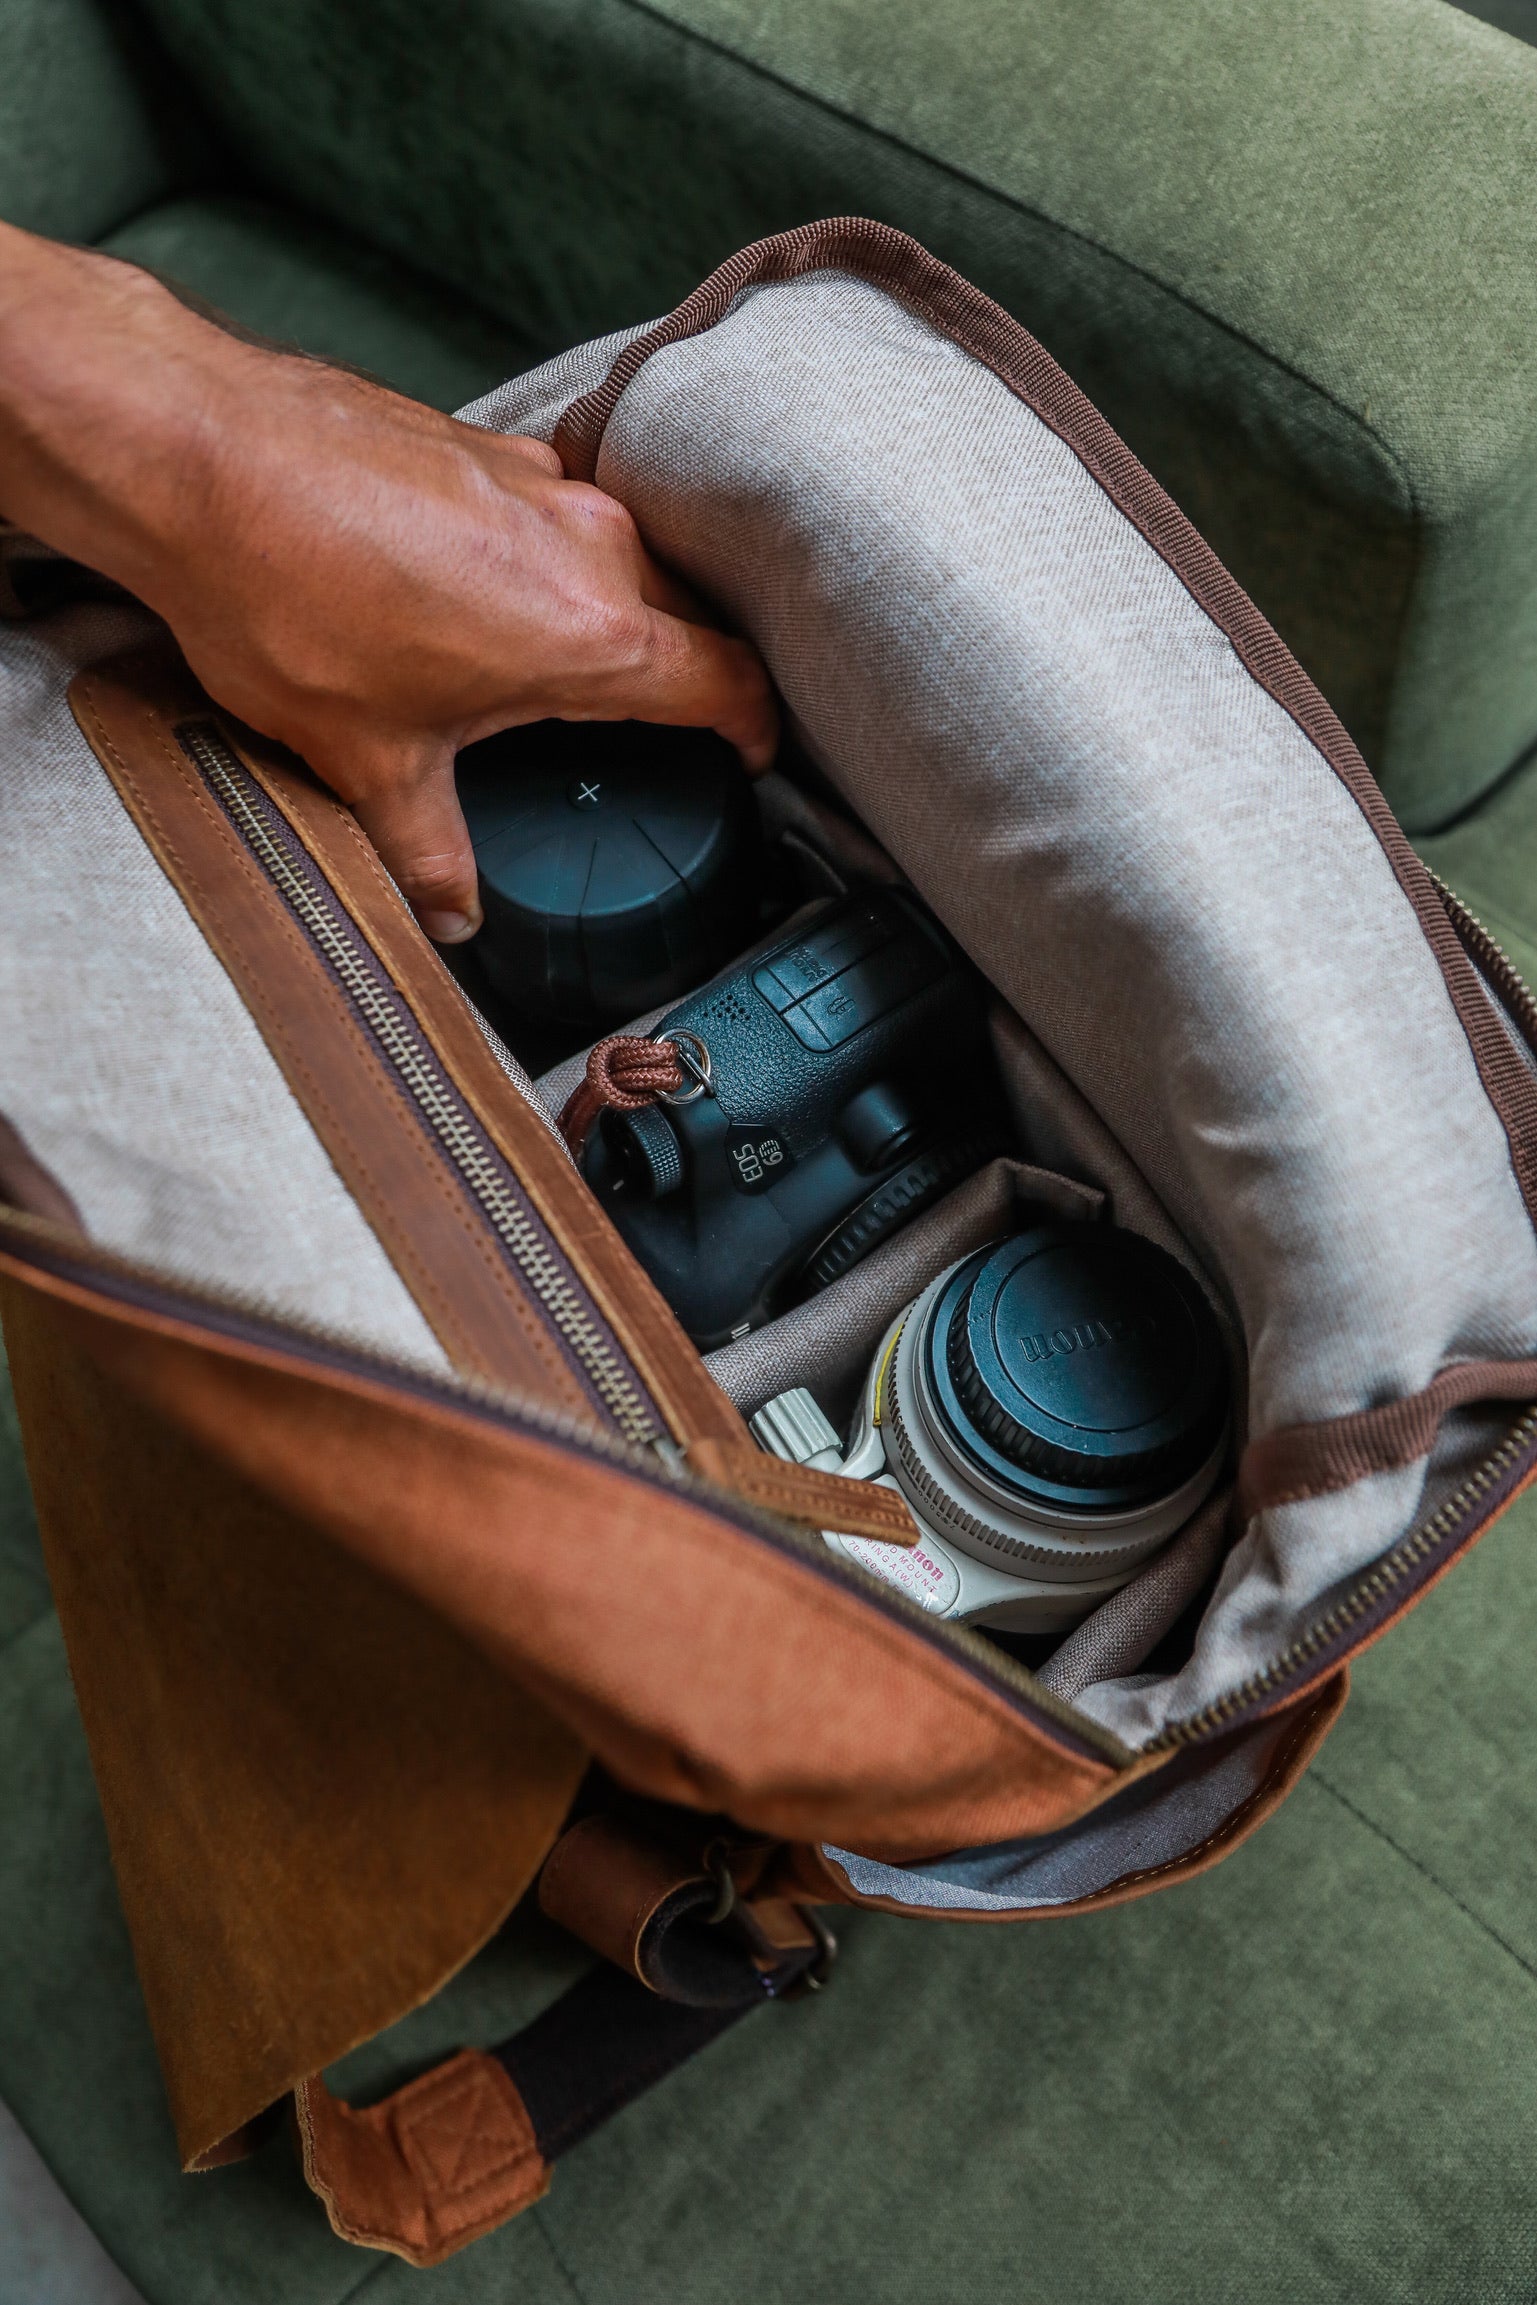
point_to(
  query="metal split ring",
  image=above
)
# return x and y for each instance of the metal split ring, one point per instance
(695, 1060)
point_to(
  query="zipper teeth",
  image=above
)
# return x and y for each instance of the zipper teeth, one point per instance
(1491, 956)
(445, 1116)
(1382, 1580)
(349, 957)
(433, 1097)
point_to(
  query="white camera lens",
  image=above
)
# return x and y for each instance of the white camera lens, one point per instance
(1053, 1409)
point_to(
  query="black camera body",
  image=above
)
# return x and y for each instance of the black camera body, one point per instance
(837, 1083)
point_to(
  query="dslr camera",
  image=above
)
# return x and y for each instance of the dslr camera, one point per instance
(836, 1084)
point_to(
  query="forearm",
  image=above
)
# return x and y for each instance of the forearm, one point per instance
(109, 389)
(352, 573)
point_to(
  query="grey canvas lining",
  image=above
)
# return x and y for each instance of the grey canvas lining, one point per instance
(161, 1110)
(1157, 1822)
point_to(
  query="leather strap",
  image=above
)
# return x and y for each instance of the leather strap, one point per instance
(471, 2143)
(798, 1493)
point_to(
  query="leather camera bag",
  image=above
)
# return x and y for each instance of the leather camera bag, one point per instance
(406, 1551)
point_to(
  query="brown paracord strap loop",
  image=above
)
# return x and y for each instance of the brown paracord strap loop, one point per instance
(623, 1073)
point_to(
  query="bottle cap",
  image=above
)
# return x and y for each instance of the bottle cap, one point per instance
(618, 864)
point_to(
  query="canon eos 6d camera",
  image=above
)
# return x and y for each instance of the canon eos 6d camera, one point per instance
(836, 1084)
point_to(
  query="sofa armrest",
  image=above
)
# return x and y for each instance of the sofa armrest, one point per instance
(1291, 249)
(90, 127)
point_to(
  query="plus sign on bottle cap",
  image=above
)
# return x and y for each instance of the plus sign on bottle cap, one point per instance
(618, 862)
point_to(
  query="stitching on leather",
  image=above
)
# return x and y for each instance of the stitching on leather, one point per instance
(255, 993)
(465, 2094)
(643, 1324)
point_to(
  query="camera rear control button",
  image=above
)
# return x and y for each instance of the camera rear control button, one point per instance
(787, 976)
(864, 993)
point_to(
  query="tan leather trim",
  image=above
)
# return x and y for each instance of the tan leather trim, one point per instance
(666, 1361)
(472, 1302)
(815, 1500)
(606, 1885)
(1299, 1461)
(953, 305)
(442, 2161)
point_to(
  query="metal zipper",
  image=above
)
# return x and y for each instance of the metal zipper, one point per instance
(480, 1170)
(1492, 961)
(1380, 1582)
(591, 1343)
(118, 1282)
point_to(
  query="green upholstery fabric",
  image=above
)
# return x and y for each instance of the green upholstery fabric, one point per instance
(92, 126)
(1490, 858)
(1292, 251)
(1518, 17)
(305, 284)
(1311, 2074)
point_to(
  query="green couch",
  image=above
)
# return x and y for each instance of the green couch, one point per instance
(1292, 250)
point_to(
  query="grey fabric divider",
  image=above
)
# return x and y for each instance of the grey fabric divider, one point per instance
(1157, 869)
(537, 401)
(826, 1343)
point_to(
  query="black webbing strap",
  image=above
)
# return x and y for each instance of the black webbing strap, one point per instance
(610, 2038)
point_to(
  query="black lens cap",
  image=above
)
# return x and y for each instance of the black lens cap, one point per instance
(618, 864)
(1081, 1365)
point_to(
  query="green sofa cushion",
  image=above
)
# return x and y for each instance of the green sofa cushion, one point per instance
(1292, 250)
(307, 284)
(90, 124)
(1311, 2073)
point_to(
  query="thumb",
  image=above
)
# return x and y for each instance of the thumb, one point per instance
(406, 802)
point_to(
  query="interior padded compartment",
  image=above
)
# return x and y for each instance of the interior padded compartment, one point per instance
(826, 1343)
(1183, 900)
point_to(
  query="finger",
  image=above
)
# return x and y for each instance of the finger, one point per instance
(691, 676)
(410, 810)
(659, 588)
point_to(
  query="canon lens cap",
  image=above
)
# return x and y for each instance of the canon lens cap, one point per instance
(1080, 1364)
(618, 864)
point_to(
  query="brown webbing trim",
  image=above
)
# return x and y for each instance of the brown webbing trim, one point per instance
(1301, 1461)
(962, 312)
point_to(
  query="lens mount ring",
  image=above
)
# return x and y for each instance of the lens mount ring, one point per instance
(695, 1060)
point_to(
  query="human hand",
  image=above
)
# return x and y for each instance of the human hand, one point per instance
(357, 576)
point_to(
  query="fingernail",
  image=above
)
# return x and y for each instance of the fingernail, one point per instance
(449, 927)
